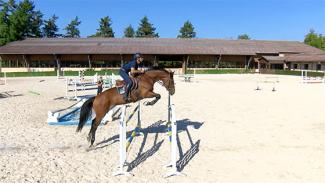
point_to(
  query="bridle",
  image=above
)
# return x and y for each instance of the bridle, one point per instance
(167, 86)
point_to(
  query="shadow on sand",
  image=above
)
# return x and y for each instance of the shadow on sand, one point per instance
(157, 128)
(8, 94)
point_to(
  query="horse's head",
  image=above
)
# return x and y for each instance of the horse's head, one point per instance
(165, 77)
(169, 83)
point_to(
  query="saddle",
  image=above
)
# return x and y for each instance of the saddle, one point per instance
(121, 85)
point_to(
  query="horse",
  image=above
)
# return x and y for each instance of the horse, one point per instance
(105, 101)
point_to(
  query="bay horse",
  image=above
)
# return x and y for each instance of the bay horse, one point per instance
(105, 101)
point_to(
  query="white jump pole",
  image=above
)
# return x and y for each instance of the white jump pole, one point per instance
(173, 152)
(75, 89)
(5, 77)
(304, 75)
(122, 150)
(67, 87)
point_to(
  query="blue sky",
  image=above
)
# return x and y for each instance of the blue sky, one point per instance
(224, 19)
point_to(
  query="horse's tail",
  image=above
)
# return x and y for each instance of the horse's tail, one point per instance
(85, 111)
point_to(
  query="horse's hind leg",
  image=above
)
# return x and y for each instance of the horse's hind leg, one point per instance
(150, 95)
(89, 138)
(92, 133)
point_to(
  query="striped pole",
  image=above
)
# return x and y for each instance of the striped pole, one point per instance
(133, 134)
(137, 130)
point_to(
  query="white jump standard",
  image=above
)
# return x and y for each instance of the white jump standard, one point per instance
(124, 142)
(173, 152)
(308, 79)
(122, 147)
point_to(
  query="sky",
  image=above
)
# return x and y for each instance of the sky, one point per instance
(223, 19)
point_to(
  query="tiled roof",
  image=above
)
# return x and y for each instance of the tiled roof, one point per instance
(170, 46)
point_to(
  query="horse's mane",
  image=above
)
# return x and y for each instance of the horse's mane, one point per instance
(155, 68)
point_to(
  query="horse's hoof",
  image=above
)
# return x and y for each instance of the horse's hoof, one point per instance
(146, 103)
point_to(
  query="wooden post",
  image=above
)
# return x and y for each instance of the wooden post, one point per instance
(249, 61)
(89, 61)
(58, 64)
(155, 63)
(122, 61)
(218, 61)
(259, 65)
(184, 65)
(26, 62)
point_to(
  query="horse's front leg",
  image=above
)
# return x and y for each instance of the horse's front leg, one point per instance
(151, 95)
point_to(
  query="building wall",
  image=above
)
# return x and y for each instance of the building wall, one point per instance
(311, 66)
(24, 69)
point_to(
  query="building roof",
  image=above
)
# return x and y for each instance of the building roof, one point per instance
(154, 46)
(274, 59)
(306, 58)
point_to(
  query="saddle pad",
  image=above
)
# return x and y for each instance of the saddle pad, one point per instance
(120, 85)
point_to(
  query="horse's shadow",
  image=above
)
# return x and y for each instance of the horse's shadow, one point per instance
(158, 128)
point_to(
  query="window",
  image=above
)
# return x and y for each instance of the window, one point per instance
(295, 66)
(306, 66)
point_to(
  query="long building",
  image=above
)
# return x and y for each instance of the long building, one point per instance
(100, 53)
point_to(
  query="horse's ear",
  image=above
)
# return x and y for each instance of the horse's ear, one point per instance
(171, 73)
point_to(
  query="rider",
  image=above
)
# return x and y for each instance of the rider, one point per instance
(132, 68)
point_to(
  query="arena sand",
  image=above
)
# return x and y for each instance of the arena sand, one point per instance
(228, 132)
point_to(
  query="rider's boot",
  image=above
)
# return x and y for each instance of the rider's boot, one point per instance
(126, 94)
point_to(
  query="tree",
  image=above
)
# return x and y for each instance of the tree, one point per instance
(24, 21)
(313, 39)
(35, 24)
(187, 31)
(105, 29)
(72, 28)
(50, 28)
(323, 42)
(146, 29)
(129, 31)
(4, 23)
(243, 36)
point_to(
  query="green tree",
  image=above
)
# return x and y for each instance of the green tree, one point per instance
(243, 36)
(4, 23)
(24, 21)
(50, 28)
(187, 31)
(129, 31)
(313, 39)
(323, 42)
(12, 5)
(105, 29)
(35, 24)
(72, 28)
(146, 29)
